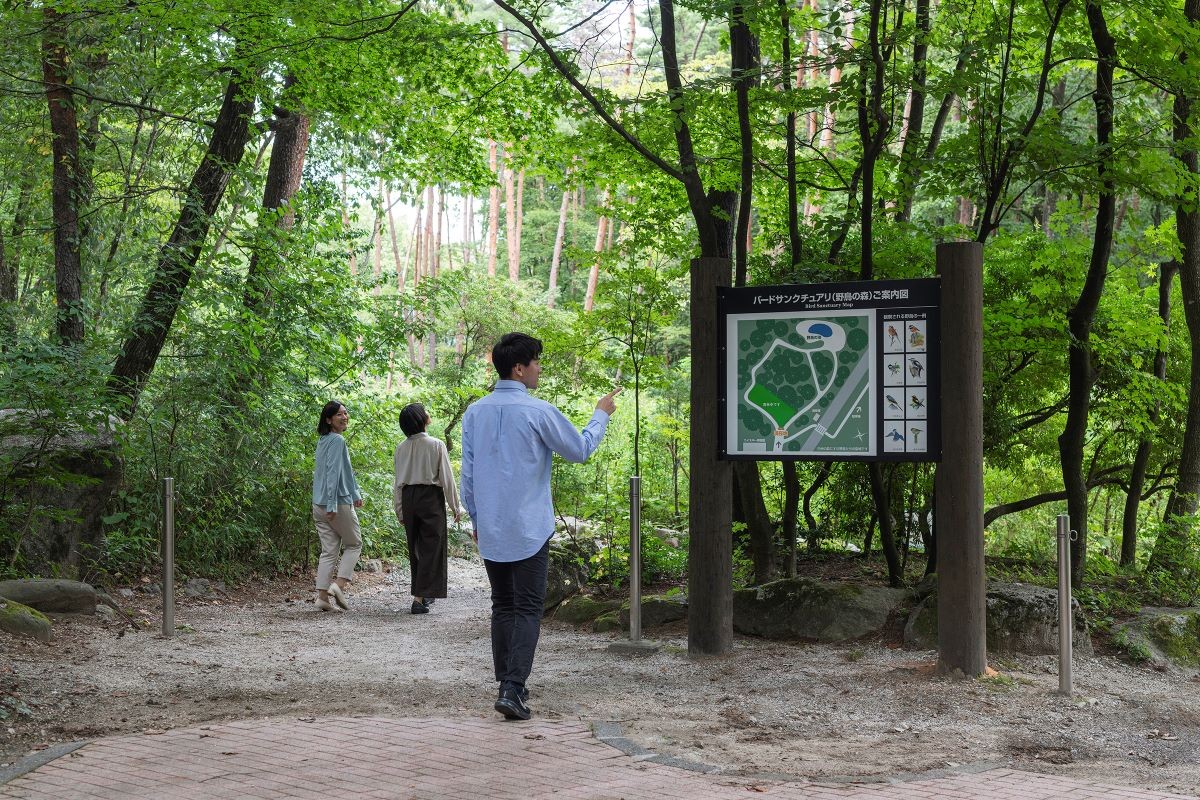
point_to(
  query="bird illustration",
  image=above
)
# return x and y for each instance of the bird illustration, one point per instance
(915, 337)
(895, 435)
(892, 403)
(916, 402)
(894, 368)
(916, 434)
(893, 334)
(915, 367)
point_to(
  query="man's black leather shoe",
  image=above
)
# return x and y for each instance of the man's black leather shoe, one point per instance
(510, 704)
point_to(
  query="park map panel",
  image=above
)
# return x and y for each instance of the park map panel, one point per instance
(843, 371)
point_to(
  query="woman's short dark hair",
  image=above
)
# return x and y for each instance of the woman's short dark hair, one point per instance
(331, 408)
(513, 349)
(412, 418)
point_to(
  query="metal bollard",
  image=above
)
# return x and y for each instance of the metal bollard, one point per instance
(168, 558)
(1065, 616)
(635, 558)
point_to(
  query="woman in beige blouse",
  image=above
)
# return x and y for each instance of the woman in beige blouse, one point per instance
(423, 488)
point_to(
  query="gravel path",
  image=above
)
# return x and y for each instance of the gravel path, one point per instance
(863, 711)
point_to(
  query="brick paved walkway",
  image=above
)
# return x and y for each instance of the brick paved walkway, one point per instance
(436, 759)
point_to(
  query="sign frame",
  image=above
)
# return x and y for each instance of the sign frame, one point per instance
(889, 415)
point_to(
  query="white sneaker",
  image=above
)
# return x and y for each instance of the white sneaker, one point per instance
(324, 605)
(338, 595)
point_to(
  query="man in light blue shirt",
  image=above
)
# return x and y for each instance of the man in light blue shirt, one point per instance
(508, 441)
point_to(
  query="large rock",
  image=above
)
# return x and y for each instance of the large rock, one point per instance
(51, 595)
(657, 610)
(568, 570)
(62, 474)
(23, 620)
(805, 608)
(1168, 638)
(1021, 618)
(580, 609)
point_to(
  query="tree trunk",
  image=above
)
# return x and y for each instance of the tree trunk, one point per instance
(284, 175)
(589, 297)
(791, 504)
(493, 211)
(823, 473)
(1137, 474)
(10, 263)
(1172, 542)
(68, 182)
(743, 47)
(178, 256)
(915, 123)
(794, 240)
(510, 222)
(556, 259)
(880, 490)
(1080, 363)
(758, 521)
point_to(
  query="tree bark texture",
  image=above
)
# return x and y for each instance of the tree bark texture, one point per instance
(791, 507)
(1141, 459)
(1080, 362)
(559, 238)
(915, 123)
(1172, 541)
(177, 257)
(493, 211)
(284, 174)
(758, 522)
(68, 184)
(743, 48)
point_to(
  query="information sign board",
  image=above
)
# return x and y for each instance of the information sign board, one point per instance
(831, 371)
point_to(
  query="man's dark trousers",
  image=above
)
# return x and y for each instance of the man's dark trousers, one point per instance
(518, 594)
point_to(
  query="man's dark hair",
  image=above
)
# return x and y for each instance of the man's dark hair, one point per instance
(412, 418)
(513, 349)
(331, 408)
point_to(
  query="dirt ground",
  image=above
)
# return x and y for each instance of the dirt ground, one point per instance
(863, 710)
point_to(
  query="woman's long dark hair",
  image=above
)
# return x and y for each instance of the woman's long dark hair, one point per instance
(412, 418)
(331, 408)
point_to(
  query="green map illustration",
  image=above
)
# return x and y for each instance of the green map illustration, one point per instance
(803, 383)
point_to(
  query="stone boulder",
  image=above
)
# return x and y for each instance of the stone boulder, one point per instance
(1165, 638)
(51, 595)
(568, 570)
(581, 609)
(805, 608)
(66, 473)
(657, 610)
(1021, 618)
(24, 621)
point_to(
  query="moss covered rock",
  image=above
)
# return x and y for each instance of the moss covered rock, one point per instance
(581, 609)
(805, 608)
(52, 595)
(1021, 618)
(1165, 637)
(24, 621)
(607, 623)
(657, 610)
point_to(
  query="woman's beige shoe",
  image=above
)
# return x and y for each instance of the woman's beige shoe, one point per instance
(323, 605)
(338, 595)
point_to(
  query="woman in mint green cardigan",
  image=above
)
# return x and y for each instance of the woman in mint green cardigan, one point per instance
(335, 497)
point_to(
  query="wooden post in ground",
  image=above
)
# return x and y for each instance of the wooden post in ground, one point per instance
(958, 486)
(710, 548)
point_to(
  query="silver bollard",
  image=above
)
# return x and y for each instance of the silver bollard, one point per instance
(1065, 616)
(168, 558)
(635, 558)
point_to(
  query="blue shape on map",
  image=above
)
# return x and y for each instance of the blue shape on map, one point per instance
(820, 329)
